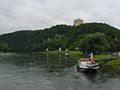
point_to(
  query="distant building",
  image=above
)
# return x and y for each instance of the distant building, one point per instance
(78, 22)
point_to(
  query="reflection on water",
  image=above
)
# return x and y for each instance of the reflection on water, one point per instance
(50, 72)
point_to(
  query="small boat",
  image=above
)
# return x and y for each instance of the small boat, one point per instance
(87, 64)
(66, 54)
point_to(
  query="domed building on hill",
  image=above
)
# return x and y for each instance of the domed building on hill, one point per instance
(78, 22)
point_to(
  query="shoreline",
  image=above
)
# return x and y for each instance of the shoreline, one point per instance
(106, 61)
(75, 54)
(109, 63)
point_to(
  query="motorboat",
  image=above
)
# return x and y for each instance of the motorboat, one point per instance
(87, 64)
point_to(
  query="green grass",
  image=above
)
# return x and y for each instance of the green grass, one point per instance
(101, 57)
(76, 54)
(114, 65)
(106, 60)
(114, 62)
(111, 63)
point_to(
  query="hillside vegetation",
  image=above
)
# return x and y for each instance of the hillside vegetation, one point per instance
(95, 37)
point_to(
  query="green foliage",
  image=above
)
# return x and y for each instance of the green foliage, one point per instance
(97, 37)
(94, 43)
(76, 54)
(3, 46)
(102, 57)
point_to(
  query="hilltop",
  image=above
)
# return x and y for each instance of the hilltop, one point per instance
(100, 36)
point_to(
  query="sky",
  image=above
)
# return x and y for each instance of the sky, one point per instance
(39, 14)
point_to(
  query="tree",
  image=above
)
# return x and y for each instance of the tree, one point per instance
(95, 43)
(65, 36)
(3, 46)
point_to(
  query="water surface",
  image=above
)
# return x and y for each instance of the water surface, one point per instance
(50, 72)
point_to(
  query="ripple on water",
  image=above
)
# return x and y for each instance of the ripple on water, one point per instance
(48, 72)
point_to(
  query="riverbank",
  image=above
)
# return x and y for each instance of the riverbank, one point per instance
(106, 61)
(76, 54)
(109, 63)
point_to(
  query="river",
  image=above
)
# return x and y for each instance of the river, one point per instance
(22, 71)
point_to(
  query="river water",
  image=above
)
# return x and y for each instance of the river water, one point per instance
(50, 72)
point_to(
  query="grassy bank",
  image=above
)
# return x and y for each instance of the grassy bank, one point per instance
(76, 54)
(109, 62)
(107, 59)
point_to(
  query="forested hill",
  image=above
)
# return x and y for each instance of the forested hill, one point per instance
(90, 36)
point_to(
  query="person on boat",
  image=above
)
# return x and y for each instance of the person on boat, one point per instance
(91, 55)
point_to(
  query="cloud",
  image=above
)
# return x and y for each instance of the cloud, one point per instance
(36, 14)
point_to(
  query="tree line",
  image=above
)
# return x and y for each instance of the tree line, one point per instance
(88, 37)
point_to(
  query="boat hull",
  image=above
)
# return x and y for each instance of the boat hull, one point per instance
(87, 65)
(90, 69)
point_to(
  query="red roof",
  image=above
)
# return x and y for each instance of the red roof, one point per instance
(87, 59)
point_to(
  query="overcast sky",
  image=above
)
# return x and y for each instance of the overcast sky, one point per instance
(38, 14)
